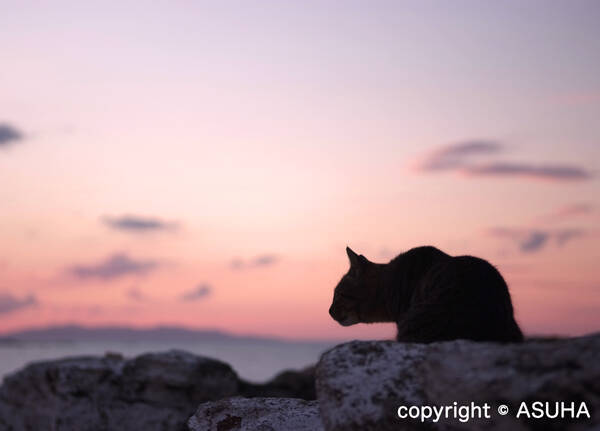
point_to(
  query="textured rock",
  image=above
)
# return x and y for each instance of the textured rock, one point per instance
(360, 385)
(156, 391)
(257, 414)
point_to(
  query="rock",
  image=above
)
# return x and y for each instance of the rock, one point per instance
(157, 391)
(257, 414)
(287, 384)
(360, 385)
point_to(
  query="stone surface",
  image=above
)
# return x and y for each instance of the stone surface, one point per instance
(157, 391)
(360, 385)
(257, 414)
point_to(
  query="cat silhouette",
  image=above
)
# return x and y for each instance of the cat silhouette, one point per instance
(430, 295)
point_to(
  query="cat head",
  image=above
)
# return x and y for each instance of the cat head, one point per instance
(355, 298)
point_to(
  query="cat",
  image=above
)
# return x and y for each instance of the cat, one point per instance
(430, 295)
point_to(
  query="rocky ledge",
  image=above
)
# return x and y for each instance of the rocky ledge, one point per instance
(359, 386)
(156, 391)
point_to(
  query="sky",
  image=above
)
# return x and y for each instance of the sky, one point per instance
(205, 164)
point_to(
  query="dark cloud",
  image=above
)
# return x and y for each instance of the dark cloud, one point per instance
(138, 224)
(459, 158)
(534, 240)
(453, 156)
(258, 261)
(201, 291)
(543, 172)
(9, 135)
(10, 303)
(527, 240)
(115, 266)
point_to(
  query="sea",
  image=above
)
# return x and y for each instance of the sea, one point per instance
(254, 360)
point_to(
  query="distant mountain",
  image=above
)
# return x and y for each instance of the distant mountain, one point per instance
(122, 333)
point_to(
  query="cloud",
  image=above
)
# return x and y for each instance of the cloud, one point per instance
(258, 261)
(569, 211)
(459, 158)
(9, 135)
(566, 235)
(200, 292)
(534, 240)
(115, 266)
(528, 240)
(543, 172)
(136, 294)
(264, 260)
(453, 156)
(10, 303)
(138, 224)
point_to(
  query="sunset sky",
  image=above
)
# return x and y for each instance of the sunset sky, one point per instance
(205, 164)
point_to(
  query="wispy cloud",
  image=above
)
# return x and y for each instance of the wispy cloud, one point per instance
(136, 294)
(534, 240)
(570, 211)
(566, 235)
(460, 158)
(455, 156)
(544, 172)
(199, 292)
(258, 261)
(9, 135)
(115, 266)
(10, 303)
(138, 224)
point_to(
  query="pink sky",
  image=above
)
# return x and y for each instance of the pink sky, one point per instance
(144, 148)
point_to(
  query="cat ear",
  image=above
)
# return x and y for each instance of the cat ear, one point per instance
(352, 256)
(356, 261)
(363, 261)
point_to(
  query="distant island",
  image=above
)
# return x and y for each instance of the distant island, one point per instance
(123, 333)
